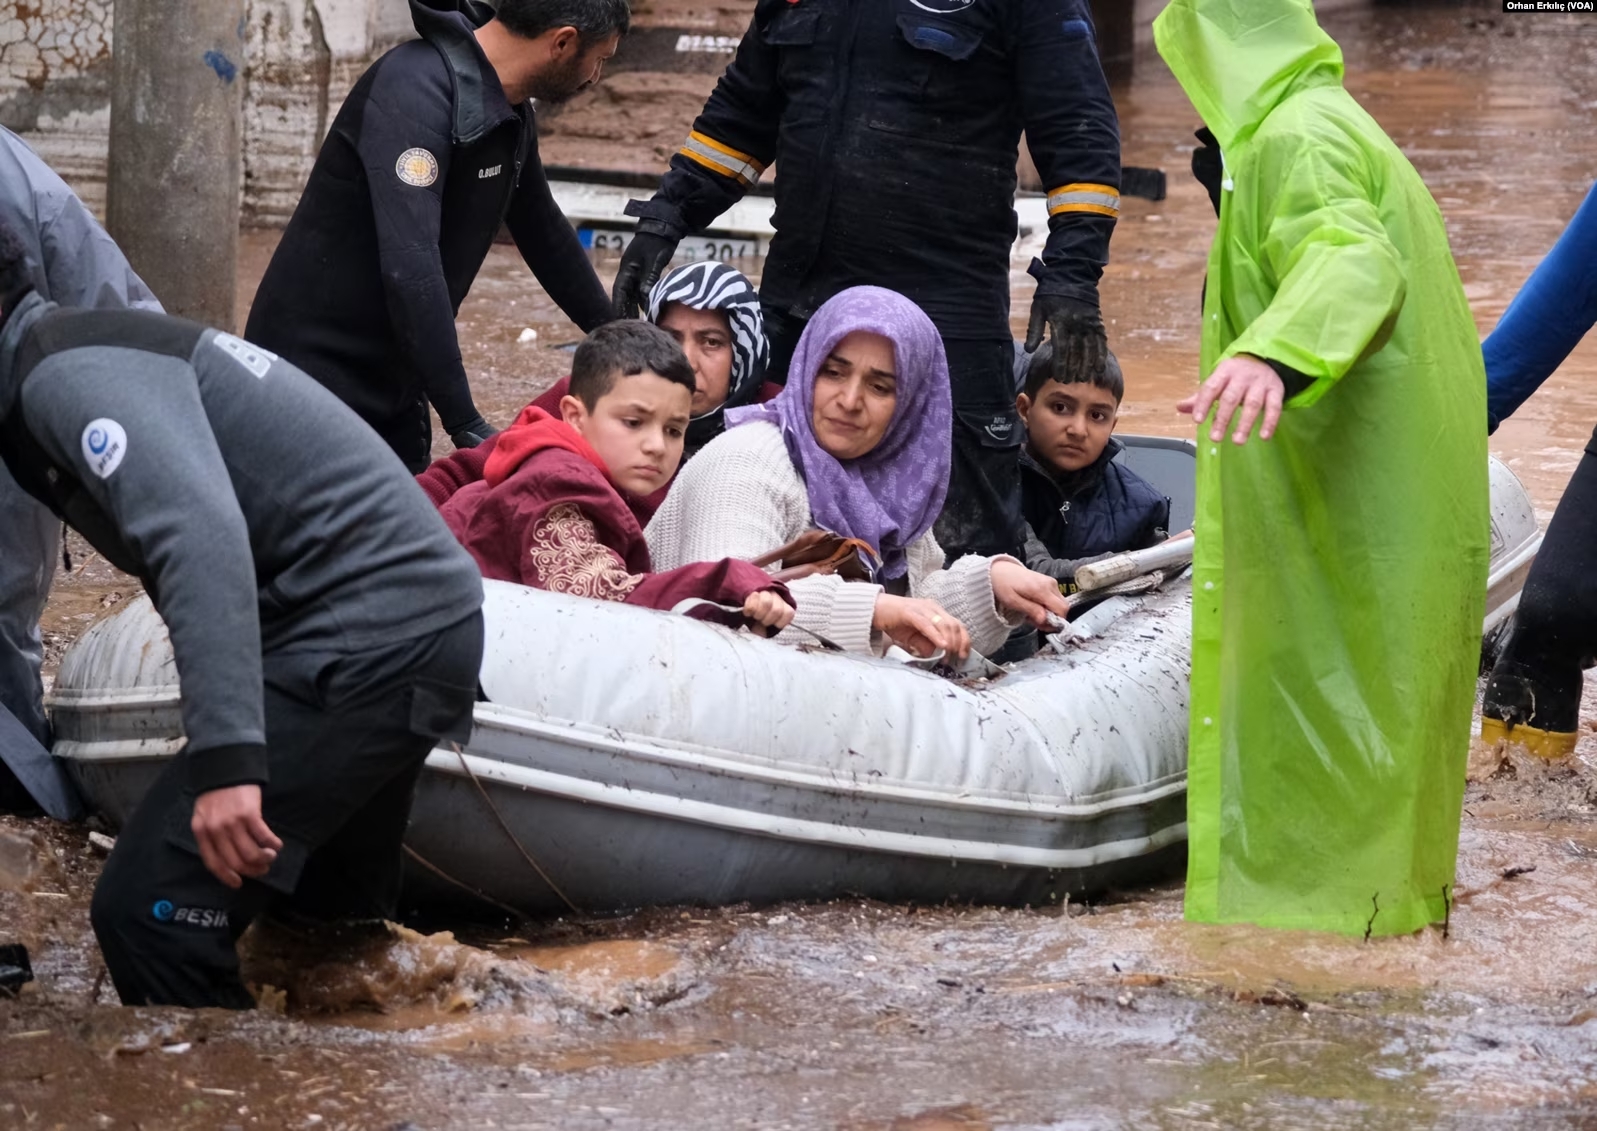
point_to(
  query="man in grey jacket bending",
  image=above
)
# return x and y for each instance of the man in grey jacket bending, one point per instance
(72, 261)
(325, 624)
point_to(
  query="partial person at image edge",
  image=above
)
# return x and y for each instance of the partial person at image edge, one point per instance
(1533, 696)
(72, 261)
(314, 684)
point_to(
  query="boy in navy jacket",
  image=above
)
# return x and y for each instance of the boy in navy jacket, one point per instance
(1080, 505)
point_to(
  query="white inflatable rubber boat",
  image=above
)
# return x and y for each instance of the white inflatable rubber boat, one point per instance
(697, 765)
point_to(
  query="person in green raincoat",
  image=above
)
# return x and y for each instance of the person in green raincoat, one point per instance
(1341, 559)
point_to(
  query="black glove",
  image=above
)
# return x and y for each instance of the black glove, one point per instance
(646, 256)
(1207, 168)
(1076, 330)
(472, 432)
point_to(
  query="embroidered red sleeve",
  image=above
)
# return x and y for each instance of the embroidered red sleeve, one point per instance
(569, 558)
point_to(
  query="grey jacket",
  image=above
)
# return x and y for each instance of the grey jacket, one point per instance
(72, 259)
(259, 512)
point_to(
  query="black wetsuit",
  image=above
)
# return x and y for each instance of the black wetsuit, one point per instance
(423, 163)
(326, 625)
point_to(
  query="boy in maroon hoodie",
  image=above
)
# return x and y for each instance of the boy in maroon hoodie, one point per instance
(557, 506)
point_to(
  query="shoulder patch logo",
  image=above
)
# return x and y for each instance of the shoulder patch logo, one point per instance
(253, 358)
(105, 442)
(417, 167)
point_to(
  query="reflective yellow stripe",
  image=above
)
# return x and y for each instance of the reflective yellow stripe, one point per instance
(1100, 199)
(719, 158)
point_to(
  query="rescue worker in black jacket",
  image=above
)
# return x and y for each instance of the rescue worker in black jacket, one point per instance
(435, 146)
(325, 625)
(894, 126)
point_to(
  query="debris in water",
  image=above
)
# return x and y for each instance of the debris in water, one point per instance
(101, 844)
(22, 860)
(15, 969)
(528, 336)
(1518, 870)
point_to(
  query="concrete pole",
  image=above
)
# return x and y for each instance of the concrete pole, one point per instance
(172, 187)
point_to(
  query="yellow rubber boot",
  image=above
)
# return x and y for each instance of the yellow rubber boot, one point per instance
(1549, 744)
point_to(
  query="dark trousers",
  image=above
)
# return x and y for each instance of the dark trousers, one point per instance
(1538, 678)
(782, 331)
(346, 734)
(982, 514)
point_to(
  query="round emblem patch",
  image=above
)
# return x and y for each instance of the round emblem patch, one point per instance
(942, 7)
(105, 442)
(417, 167)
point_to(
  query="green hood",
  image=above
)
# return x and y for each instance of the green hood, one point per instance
(1239, 59)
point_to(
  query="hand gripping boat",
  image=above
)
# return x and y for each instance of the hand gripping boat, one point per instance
(628, 757)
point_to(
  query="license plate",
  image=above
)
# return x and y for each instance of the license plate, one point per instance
(690, 250)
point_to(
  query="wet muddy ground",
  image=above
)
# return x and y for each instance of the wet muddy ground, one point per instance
(858, 1015)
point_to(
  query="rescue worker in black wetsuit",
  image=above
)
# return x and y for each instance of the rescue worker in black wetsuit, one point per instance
(326, 626)
(894, 126)
(434, 148)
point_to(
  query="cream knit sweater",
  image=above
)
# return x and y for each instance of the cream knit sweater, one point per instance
(741, 497)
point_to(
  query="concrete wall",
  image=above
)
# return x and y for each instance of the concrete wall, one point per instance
(303, 56)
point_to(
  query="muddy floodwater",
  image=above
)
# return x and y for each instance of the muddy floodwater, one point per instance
(860, 1015)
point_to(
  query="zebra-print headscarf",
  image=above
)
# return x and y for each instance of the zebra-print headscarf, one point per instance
(715, 286)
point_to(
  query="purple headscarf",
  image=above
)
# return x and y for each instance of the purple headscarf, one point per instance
(891, 495)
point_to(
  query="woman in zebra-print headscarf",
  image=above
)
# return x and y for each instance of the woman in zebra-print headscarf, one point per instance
(714, 314)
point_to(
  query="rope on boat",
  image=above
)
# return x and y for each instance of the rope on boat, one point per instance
(463, 885)
(494, 809)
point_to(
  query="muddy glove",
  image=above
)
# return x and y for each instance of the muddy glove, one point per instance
(646, 256)
(1076, 330)
(471, 432)
(1207, 167)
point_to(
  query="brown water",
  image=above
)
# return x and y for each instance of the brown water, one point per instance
(857, 1015)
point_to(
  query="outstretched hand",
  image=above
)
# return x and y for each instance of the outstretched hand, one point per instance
(233, 837)
(1025, 591)
(1242, 387)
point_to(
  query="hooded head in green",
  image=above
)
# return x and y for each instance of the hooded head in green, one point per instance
(1341, 565)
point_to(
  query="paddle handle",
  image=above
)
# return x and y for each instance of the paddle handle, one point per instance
(1123, 567)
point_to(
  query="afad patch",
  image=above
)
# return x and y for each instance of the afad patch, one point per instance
(417, 167)
(105, 442)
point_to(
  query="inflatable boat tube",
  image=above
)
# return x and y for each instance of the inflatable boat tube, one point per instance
(626, 757)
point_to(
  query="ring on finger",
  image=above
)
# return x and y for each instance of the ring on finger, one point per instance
(937, 620)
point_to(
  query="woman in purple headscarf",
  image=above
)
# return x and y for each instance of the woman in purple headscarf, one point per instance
(857, 443)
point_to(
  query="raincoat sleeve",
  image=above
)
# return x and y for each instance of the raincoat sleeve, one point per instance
(1546, 320)
(1338, 282)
